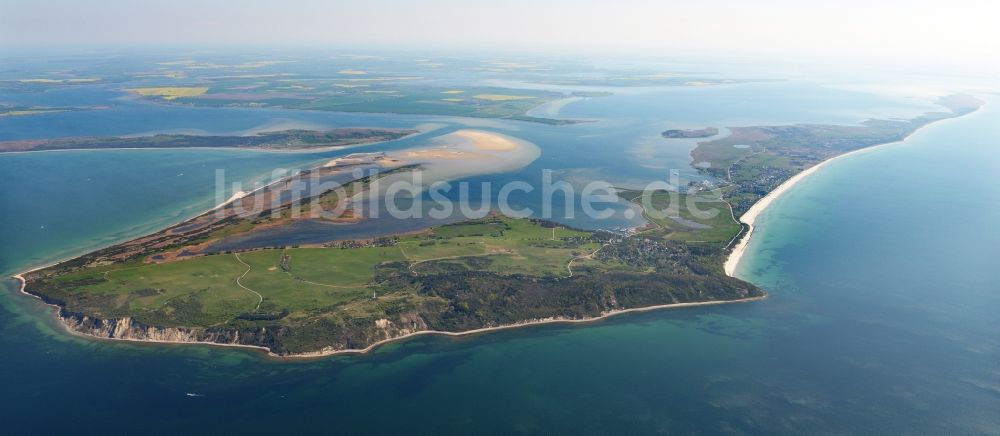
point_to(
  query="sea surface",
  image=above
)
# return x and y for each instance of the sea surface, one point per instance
(882, 270)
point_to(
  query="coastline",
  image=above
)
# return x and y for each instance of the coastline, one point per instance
(729, 267)
(529, 323)
(59, 320)
(233, 197)
(322, 149)
(186, 337)
(377, 344)
(750, 216)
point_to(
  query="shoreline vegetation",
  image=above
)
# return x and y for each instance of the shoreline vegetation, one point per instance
(283, 140)
(441, 280)
(327, 353)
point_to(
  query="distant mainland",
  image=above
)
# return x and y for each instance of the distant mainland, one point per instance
(278, 140)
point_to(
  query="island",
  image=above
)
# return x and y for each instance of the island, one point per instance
(278, 140)
(258, 280)
(640, 78)
(281, 279)
(20, 111)
(362, 93)
(690, 133)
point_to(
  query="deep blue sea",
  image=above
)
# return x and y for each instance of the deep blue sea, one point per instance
(882, 270)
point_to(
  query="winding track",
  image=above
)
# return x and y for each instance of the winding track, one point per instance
(260, 297)
(569, 265)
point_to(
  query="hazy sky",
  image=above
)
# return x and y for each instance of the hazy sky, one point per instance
(935, 31)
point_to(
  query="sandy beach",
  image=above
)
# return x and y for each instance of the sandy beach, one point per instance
(553, 108)
(468, 144)
(472, 142)
(751, 215)
(333, 352)
(459, 154)
(488, 141)
(516, 325)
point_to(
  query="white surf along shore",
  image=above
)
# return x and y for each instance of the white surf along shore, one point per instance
(750, 216)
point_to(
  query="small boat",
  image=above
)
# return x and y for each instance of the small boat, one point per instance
(194, 395)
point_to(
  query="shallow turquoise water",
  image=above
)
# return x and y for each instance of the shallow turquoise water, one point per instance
(882, 319)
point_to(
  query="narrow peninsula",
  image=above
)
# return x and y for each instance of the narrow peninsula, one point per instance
(296, 139)
(755, 164)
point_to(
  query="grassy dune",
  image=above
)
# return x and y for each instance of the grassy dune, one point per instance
(204, 290)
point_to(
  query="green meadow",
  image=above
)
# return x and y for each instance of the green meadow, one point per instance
(299, 282)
